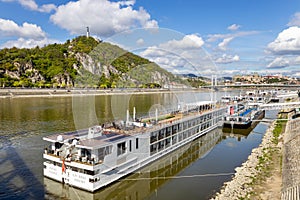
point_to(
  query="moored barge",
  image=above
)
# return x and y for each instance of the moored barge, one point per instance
(242, 119)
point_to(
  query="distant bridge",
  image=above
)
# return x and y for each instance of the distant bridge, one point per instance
(253, 85)
(280, 106)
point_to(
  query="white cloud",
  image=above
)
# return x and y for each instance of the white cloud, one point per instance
(223, 45)
(140, 42)
(32, 5)
(216, 37)
(47, 8)
(233, 27)
(105, 18)
(23, 36)
(11, 29)
(27, 43)
(188, 42)
(295, 21)
(167, 59)
(127, 3)
(226, 59)
(287, 42)
(283, 61)
(279, 62)
(297, 60)
(29, 4)
(181, 56)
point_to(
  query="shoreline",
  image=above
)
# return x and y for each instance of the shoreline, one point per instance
(25, 93)
(248, 177)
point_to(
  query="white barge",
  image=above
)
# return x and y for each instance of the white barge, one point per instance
(96, 157)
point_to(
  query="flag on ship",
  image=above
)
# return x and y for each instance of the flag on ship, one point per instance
(63, 167)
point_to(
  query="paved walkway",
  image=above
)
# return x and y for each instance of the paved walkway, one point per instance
(291, 161)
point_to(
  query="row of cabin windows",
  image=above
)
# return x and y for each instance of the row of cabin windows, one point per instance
(171, 130)
(162, 144)
(121, 147)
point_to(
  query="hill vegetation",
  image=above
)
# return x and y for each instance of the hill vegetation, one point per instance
(81, 62)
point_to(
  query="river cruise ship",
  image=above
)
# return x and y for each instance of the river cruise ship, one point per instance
(96, 157)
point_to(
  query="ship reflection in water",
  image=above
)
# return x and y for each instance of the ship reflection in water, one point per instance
(146, 181)
(239, 133)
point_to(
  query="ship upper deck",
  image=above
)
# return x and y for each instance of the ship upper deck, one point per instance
(99, 136)
(106, 136)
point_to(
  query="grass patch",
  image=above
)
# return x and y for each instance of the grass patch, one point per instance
(279, 128)
(160, 118)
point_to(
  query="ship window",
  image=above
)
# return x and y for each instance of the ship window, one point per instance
(137, 143)
(184, 135)
(184, 126)
(161, 145)
(168, 131)
(89, 172)
(174, 129)
(180, 137)
(75, 169)
(153, 137)
(168, 142)
(161, 134)
(153, 148)
(174, 139)
(92, 180)
(121, 148)
(129, 145)
(102, 152)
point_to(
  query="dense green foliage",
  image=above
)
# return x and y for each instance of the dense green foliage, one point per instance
(83, 44)
(196, 82)
(49, 61)
(276, 80)
(127, 61)
(69, 65)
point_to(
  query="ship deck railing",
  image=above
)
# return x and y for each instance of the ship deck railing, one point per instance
(166, 122)
(75, 158)
(132, 130)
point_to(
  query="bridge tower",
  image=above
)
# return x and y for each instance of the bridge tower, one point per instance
(214, 80)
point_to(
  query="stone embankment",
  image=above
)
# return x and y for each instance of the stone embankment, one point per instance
(23, 93)
(291, 162)
(243, 182)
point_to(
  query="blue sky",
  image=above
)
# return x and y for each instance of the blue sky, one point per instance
(224, 37)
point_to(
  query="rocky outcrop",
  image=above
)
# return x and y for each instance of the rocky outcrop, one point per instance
(88, 63)
(95, 67)
(27, 69)
(63, 80)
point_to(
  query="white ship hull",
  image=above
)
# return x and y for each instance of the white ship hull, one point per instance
(125, 153)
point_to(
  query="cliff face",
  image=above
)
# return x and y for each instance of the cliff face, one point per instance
(81, 62)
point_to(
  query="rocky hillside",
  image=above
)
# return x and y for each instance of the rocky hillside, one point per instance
(81, 62)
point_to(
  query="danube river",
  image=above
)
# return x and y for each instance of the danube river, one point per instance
(195, 171)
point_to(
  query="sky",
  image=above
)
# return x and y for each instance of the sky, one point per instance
(204, 37)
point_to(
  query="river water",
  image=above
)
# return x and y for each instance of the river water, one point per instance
(195, 171)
